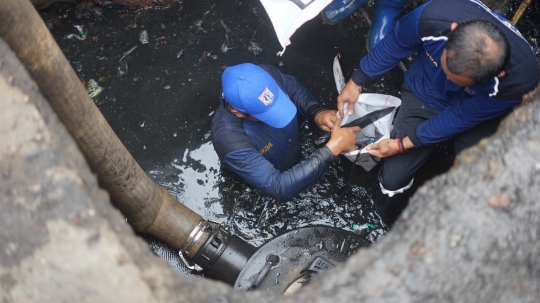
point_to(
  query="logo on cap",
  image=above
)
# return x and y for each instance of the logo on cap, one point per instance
(266, 97)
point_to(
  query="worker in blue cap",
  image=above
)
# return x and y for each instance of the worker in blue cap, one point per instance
(255, 131)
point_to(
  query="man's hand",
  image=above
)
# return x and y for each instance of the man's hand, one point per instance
(388, 147)
(349, 95)
(342, 139)
(384, 148)
(326, 119)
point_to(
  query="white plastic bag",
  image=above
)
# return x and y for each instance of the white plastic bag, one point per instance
(288, 15)
(374, 132)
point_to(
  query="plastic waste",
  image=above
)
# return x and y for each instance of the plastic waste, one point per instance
(143, 37)
(93, 89)
(82, 31)
(379, 129)
(122, 69)
(254, 48)
(225, 47)
(359, 228)
(128, 52)
(179, 54)
(78, 66)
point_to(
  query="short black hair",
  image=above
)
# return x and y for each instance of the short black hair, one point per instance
(477, 49)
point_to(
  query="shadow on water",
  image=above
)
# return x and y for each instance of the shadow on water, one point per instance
(161, 97)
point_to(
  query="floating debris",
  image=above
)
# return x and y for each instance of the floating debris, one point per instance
(179, 54)
(161, 40)
(225, 47)
(281, 63)
(167, 87)
(93, 89)
(198, 24)
(225, 27)
(82, 31)
(122, 69)
(142, 124)
(255, 48)
(128, 52)
(78, 66)
(143, 37)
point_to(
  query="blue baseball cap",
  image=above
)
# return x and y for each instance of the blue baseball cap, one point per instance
(251, 90)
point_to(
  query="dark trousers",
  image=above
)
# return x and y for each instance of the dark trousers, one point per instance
(398, 171)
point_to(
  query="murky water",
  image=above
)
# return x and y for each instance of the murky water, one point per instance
(160, 98)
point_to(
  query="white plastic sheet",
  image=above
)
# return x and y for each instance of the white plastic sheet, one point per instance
(378, 130)
(288, 15)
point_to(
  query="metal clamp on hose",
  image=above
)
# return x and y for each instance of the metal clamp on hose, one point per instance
(202, 227)
(194, 267)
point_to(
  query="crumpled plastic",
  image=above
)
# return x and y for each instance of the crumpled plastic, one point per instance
(93, 89)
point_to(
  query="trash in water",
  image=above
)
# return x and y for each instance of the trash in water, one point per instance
(143, 37)
(167, 87)
(122, 69)
(93, 88)
(78, 66)
(225, 47)
(225, 26)
(357, 228)
(213, 57)
(255, 48)
(128, 52)
(198, 24)
(179, 54)
(281, 63)
(82, 31)
(161, 40)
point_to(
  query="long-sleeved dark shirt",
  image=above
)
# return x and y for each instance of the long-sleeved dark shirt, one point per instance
(424, 31)
(268, 158)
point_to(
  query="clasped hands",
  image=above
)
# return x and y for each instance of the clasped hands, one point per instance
(344, 139)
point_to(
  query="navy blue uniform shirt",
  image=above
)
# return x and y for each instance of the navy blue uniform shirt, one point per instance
(424, 31)
(268, 158)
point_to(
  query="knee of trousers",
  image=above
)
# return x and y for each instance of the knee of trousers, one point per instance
(394, 181)
(395, 188)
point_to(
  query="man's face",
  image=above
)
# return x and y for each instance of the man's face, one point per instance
(460, 80)
(238, 114)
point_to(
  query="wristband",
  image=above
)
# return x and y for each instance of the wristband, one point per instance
(399, 146)
(402, 145)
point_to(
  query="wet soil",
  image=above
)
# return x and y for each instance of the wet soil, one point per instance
(161, 106)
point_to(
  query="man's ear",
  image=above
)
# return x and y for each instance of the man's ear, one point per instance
(237, 113)
(501, 74)
(453, 26)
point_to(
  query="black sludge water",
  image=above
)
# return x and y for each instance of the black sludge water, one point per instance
(160, 98)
